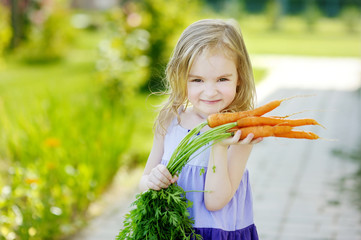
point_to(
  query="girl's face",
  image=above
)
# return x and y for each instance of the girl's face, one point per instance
(212, 82)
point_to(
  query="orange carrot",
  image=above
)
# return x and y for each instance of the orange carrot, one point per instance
(275, 131)
(253, 121)
(262, 131)
(267, 107)
(217, 119)
(298, 134)
(272, 121)
(270, 106)
(222, 118)
(290, 115)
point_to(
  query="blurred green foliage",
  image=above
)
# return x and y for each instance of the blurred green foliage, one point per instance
(330, 37)
(122, 63)
(61, 144)
(311, 15)
(5, 31)
(274, 14)
(165, 20)
(49, 33)
(351, 17)
(144, 34)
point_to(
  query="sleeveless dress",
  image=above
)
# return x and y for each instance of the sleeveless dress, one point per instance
(235, 220)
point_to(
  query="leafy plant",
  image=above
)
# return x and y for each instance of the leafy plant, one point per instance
(274, 12)
(60, 146)
(5, 30)
(312, 15)
(49, 33)
(350, 16)
(60, 161)
(140, 41)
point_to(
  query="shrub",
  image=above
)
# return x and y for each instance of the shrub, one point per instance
(49, 33)
(142, 35)
(312, 15)
(5, 31)
(58, 152)
(351, 17)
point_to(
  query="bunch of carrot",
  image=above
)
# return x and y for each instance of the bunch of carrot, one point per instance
(253, 121)
(164, 214)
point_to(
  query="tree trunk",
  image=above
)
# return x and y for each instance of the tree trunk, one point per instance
(17, 22)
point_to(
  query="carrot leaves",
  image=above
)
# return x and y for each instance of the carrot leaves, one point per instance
(159, 215)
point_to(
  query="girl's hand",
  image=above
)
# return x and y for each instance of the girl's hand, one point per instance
(160, 177)
(236, 139)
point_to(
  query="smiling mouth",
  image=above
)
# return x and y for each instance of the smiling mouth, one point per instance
(211, 101)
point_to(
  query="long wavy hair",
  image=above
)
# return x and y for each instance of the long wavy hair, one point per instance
(205, 35)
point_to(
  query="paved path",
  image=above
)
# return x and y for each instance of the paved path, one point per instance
(298, 185)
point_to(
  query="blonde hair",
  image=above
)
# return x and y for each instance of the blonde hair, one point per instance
(207, 34)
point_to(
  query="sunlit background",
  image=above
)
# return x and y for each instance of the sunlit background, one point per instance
(75, 79)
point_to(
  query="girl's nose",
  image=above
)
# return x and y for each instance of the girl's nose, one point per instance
(210, 90)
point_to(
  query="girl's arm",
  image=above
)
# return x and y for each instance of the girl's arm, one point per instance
(156, 175)
(226, 166)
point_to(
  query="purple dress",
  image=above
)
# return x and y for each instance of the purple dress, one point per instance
(235, 220)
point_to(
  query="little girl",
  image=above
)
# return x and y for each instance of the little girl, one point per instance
(209, 72)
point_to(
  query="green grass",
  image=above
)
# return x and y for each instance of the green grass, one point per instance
(330, 38)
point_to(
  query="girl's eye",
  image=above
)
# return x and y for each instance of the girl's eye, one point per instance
(223, 80)
(196, 80)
